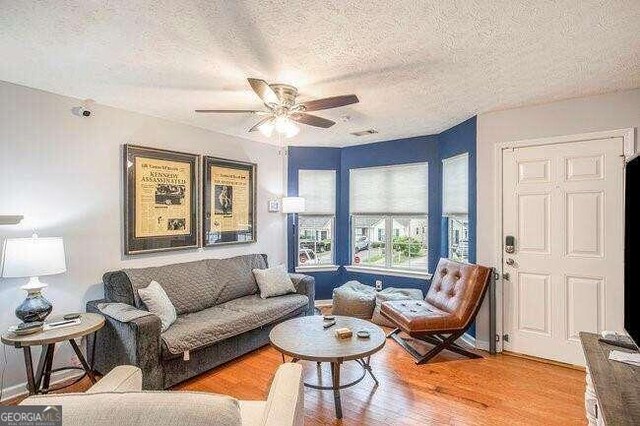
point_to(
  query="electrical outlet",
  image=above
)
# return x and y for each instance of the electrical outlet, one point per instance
(378, 285)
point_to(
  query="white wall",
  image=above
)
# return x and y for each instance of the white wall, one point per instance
(63, 173)
(612, 111)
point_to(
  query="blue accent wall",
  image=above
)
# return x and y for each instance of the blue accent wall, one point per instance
(432, 149)
(458, 140)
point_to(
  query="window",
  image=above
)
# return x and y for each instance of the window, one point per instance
(316, 224)
(389, 216)
(455, 205)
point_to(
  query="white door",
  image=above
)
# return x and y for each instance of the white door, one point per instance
(564, 206)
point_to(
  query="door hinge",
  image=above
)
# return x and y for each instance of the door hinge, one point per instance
(505, 337)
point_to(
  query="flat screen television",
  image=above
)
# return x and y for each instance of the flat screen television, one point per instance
(632, 251)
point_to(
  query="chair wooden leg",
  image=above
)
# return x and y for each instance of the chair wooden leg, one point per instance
(441, 343)
(393, 333)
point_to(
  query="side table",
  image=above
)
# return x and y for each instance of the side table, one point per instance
(39, 382)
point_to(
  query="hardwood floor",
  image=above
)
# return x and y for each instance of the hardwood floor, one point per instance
(496, 390)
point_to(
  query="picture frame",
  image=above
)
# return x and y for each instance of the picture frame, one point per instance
(161, 200)
(229, 202)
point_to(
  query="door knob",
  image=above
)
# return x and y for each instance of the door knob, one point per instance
(510, 262)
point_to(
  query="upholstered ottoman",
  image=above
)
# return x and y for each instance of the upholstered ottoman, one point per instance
(393, 294)
(354, 299)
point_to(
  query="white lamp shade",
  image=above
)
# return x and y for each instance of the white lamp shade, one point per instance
(33, 257)
(293, 205)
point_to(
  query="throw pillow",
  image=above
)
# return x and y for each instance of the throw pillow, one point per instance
(274, 281)
(158, 303)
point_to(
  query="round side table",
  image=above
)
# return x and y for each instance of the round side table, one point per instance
(39, 382)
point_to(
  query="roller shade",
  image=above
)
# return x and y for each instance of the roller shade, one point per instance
(318, 188)
(390, 189)
(455, 185)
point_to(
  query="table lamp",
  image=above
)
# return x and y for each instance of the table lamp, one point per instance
(293, 205)
(33, 258)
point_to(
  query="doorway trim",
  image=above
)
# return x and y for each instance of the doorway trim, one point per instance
(628, 136)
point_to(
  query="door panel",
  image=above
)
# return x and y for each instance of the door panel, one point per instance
(535, 302)
(584, 305)
(585, 224)
(563, 203)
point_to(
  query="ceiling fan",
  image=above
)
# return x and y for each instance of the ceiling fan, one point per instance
(283, 110)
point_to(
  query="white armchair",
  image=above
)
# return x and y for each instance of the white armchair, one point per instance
(118, 399)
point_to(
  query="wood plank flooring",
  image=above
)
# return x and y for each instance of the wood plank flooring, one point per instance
(496, 390)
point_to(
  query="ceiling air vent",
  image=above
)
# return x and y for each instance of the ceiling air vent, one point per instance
(365, 132)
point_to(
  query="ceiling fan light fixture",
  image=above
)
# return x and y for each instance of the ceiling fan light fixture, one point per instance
(286, 127)
(292, 130)
(267, 129)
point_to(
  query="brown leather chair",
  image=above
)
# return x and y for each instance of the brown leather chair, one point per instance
(450, 307)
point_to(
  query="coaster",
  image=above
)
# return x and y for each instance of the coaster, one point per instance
(363, 334)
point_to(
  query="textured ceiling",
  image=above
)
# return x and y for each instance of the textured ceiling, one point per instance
(418, 67)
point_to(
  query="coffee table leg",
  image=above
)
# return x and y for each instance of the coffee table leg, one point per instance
(367, 366)
(76, 349)
(335, 375)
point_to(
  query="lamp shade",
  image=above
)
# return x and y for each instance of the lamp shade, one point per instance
(293, 205)
(33, 257)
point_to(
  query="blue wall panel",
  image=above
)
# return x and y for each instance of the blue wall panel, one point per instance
(455, 141)
(432, 149)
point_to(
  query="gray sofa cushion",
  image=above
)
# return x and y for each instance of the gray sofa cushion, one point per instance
(194, 286)
(211, 325)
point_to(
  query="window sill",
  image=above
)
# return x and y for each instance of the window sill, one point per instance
(317, 268)
(391, 272)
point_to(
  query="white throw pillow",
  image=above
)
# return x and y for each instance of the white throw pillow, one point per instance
(158, 303)
(274, 281)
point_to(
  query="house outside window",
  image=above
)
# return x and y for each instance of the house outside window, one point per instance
(455, 205)
(389, 217)
(316, 224)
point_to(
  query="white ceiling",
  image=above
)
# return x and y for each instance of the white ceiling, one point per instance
(418, 67)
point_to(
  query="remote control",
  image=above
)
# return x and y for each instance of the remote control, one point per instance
(328, 324)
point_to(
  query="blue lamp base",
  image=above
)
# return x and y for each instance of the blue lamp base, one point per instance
(35, 307)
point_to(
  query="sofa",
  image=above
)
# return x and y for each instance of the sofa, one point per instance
(220, 316)
(118, 399)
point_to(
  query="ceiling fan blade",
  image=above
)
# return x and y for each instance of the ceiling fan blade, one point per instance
(327, 103)
(264, 91)
(260, 123)
(312, 120)
(228, 111)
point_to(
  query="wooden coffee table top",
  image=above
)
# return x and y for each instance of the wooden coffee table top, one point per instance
(305, 338)
(89, 323)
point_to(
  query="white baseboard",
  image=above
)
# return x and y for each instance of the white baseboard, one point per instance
(475, 343)
(482, 344)
(21, 388)
(468, 339)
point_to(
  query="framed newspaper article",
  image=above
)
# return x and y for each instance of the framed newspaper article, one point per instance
(229, 212)
(160, 200)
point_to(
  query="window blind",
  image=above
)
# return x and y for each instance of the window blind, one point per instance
(390, 189)
(318, 188)
(455, 183)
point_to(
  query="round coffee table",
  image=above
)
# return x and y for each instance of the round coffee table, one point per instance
(305, 338)
(39, 383)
